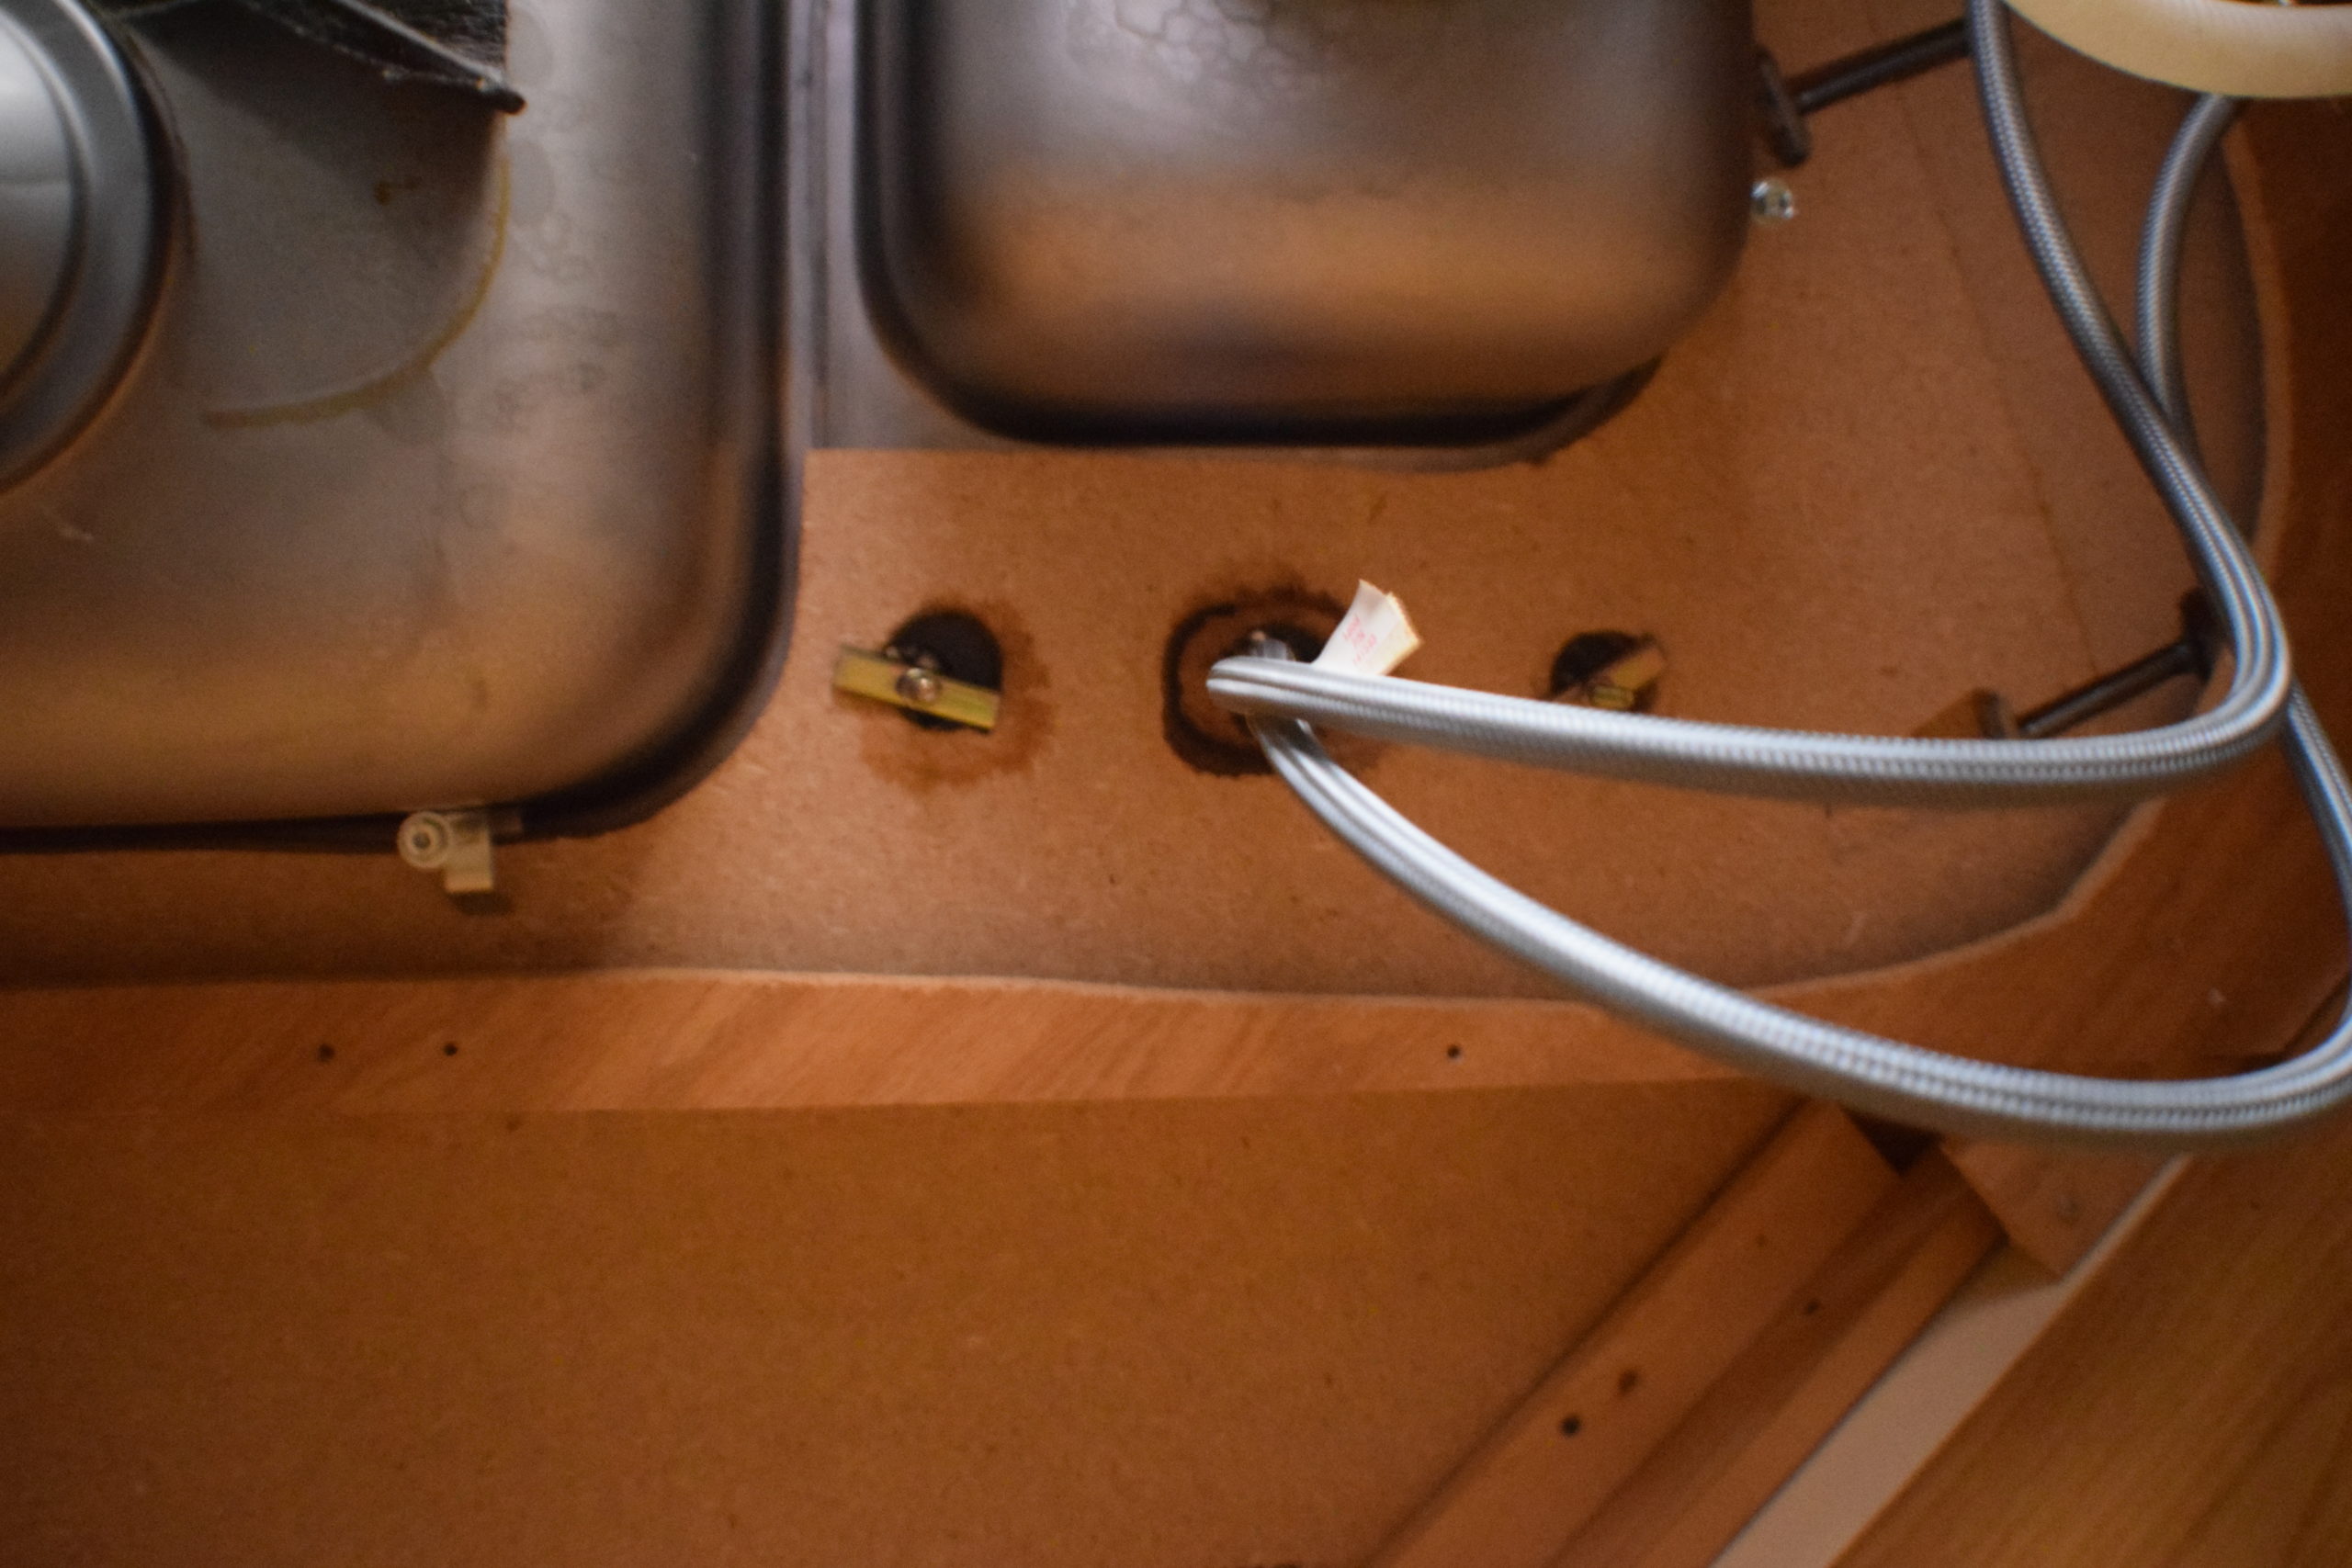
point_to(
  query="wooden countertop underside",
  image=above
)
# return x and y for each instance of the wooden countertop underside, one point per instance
(1251, 1315)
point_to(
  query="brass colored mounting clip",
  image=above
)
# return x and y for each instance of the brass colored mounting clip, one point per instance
(911, 686)
(1622, 683)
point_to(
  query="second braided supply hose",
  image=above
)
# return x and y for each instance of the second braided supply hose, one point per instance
(1884, 1077)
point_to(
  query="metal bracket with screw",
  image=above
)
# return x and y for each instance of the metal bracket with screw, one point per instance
(1988, 715)
(1624, 685)
(455, 843)
(915, 688)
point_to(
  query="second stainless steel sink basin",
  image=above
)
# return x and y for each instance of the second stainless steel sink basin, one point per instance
(1293, 221)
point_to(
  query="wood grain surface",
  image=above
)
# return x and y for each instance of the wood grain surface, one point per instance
(2054, 1206)
(663, 1041)
(1591, 1425)
(2189, 1410)
(1795, 1380)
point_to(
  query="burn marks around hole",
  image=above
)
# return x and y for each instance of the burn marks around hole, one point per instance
(1606, 670)
(986, 643)
(1204, 736)
(949, 642)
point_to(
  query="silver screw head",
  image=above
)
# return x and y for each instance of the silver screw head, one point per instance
(919, 687)
(1771, 201)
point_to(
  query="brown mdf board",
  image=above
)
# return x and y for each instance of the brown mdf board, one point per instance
(671, 1041)
(1238, 1332)
(1868, 483)
(2192, 1409)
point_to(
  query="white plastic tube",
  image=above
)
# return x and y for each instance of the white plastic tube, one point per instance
(2235, 47)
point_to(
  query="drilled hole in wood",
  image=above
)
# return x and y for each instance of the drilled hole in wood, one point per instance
(1586, 656)
(1207, 738)
(951, 643)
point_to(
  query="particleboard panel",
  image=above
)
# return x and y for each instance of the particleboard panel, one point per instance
(2081, 469)
(1173, 1334)
(1840, 504)
(2220, 936)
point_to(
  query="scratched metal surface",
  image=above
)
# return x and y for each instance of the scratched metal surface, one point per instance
(431, 483)
(1871, 479)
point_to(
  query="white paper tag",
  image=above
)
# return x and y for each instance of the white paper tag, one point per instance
(1373, 638)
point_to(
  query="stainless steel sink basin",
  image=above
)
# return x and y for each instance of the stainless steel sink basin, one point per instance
(1294, 220)
(446, 473)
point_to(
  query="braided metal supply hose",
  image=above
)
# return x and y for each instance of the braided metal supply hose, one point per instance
(1904, 1082)
(1890, 770)
(2157, 316)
